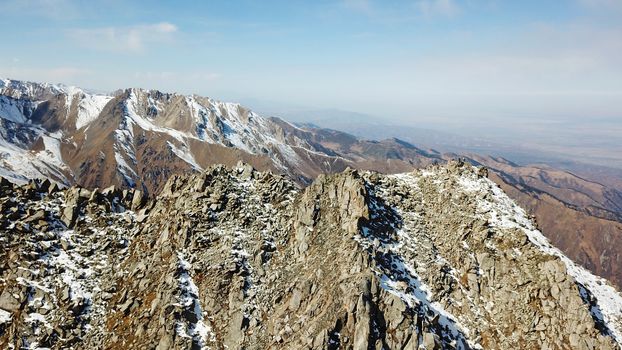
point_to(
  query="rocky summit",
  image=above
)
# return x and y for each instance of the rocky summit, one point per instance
(439, 258)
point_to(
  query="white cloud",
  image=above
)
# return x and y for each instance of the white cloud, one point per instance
(134, 39)
(164, 27)
(431, 8)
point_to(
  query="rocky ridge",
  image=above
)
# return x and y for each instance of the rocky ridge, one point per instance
(437, 258)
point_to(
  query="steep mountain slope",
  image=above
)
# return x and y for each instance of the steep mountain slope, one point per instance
(591, 241)
(237, 258)
(580, 216)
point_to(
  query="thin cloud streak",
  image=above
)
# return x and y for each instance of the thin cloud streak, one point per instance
(431, 8)
(403, 11)
(133, 39)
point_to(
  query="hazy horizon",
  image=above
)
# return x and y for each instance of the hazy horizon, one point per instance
(404, 61)
(537, 75)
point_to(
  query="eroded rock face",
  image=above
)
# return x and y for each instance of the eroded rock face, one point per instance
(235, 258)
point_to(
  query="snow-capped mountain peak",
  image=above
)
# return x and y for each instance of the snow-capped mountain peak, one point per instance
(184, 123)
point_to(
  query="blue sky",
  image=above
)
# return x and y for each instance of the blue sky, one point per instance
(404, 60)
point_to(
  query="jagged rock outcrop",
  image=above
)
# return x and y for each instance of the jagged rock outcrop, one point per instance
(235, 258)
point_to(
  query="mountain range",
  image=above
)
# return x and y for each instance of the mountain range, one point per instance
(144, 142)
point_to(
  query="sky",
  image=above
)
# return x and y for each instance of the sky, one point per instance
(415, 60)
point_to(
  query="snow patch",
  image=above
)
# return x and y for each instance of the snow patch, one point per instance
(20, 165)
(89, 108)
(198, 331)
(184, 154)
(10, 109)
(5, 316)
(52, 153)
(36, 317)
(399, 277)
(70, 92)
(144, 123)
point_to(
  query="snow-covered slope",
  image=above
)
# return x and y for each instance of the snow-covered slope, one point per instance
(503, 213)
(453, 221)
(89, 108)
(243, 129)
(173, 126)
(185, 118)
(30, 144)
(19, 163)
(13, 110)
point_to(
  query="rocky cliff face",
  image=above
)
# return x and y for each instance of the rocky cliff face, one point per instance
(438, 258)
